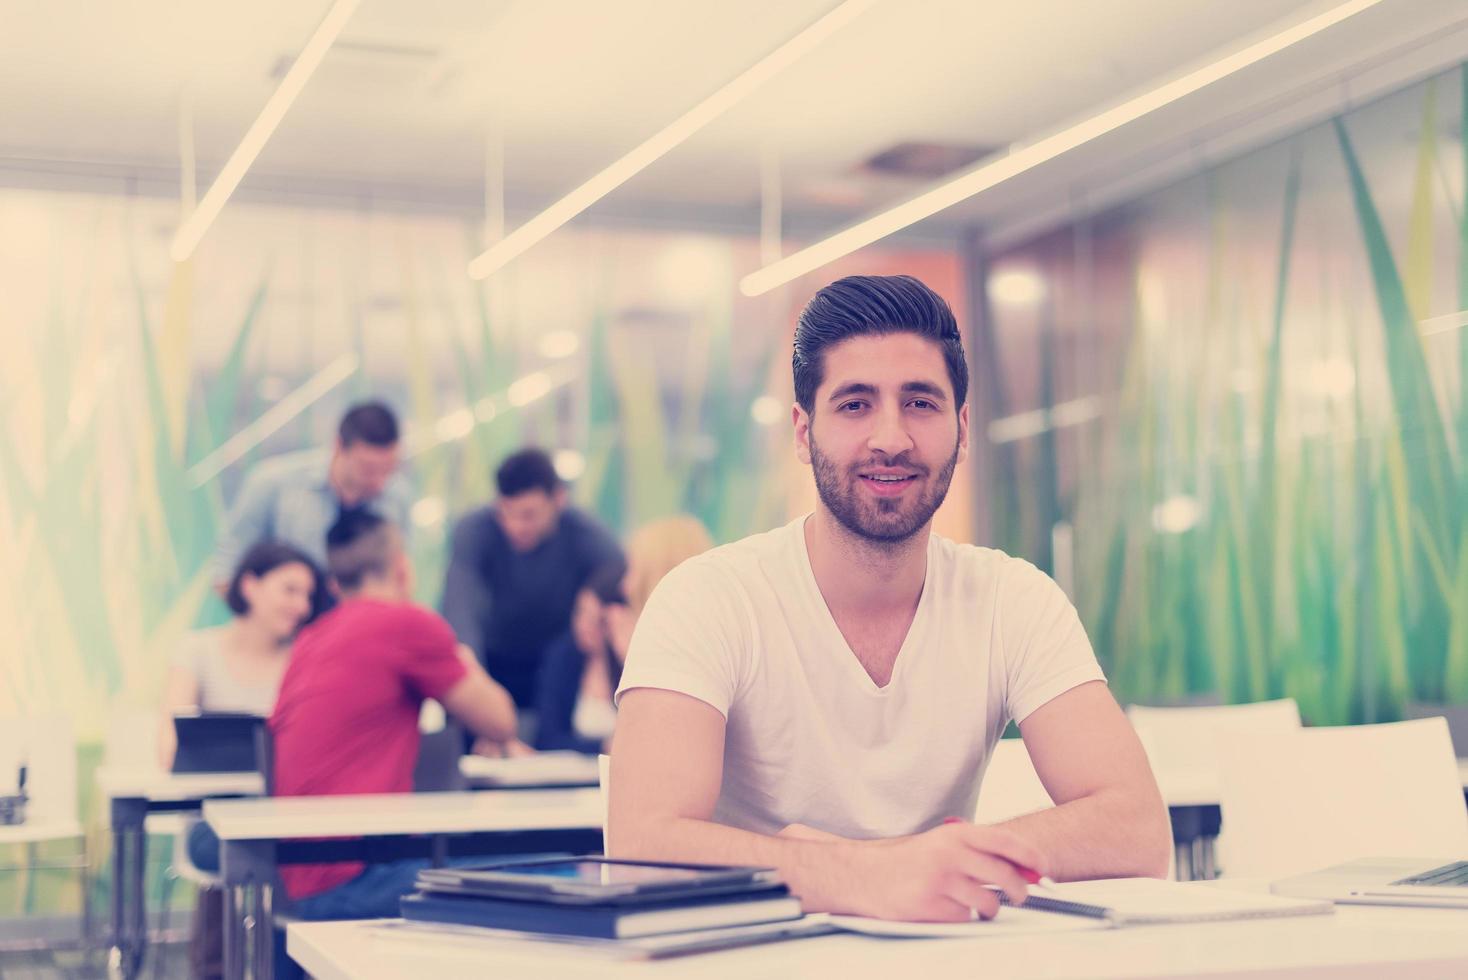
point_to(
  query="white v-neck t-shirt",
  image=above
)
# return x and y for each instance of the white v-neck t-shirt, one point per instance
(810, 738)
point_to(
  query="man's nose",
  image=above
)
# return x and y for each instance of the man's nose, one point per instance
(889, 434)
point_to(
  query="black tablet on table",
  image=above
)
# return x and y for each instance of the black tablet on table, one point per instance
(596, 880)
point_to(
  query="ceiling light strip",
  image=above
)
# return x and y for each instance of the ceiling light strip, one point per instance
(192, 230)
(521, 239)
(252, 435)
(1026, 157)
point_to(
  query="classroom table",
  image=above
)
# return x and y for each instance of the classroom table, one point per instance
(1353, 942)
(133, 793)
(257, 836)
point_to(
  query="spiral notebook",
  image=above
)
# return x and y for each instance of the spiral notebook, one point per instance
(1147, 901)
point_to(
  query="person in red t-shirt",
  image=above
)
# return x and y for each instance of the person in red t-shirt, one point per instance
(346, 720)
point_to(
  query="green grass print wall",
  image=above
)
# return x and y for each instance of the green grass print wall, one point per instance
(1333, 569)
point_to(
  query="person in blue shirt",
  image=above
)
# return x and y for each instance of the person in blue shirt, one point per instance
(295, 498)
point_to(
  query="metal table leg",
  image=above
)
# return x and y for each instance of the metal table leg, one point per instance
(249, 926)
(234, 967)
(129, 851)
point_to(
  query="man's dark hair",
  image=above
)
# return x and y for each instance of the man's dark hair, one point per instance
(370, 422)
(860, 306)
(606, 582)
(528, 469)
(264, 557)
(360, 544)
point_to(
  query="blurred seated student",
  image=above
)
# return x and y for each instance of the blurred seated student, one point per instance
(273, 591)
(582, 669)
(346, 720)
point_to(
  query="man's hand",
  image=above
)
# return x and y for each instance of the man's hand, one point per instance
(941, 875)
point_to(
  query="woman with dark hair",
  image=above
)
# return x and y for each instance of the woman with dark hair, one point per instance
(275, 590)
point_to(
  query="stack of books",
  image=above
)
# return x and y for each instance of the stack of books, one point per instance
(466, 897)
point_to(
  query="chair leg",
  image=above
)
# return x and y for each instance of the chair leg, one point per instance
(165, 913)
(85, 875)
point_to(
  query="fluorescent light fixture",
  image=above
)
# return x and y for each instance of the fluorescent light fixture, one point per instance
(457, 425)
(192, 230)
(1443, 324)
(1016, 287)
(518, 241)
(558, 344)
(1027, 425)
(1025, 157)
(767, 410)
(1177, 514)
(279, 414)
(569, 464)
(525, 390)
(428, 512)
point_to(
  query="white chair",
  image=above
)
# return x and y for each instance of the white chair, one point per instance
(1011, 787)
(1184, 746)
(1321, 796)
(1189, 739)
(46, 745)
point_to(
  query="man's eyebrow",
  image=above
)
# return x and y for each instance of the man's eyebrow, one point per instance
(925, 388)
(852, 388)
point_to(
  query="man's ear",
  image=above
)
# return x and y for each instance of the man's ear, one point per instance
(801, 421)
(333, 588)
(963, 433)
(560, 496)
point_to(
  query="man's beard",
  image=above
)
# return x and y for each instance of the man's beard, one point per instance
(885, 521)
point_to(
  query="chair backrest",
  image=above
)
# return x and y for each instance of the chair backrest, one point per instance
(1011, 787)
(1457, 718)
(1191, 739)
(1299, 801)
(131, 738)
(46, 744)
(604, 780)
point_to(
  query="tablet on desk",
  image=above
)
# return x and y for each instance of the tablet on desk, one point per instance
(596, 880)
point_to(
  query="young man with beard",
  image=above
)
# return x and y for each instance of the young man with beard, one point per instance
(823, 698)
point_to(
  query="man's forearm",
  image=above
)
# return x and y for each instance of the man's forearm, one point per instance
(824, 873)
(1113, 834)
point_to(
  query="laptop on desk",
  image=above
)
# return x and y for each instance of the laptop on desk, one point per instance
(216, 742)
(1425, 882)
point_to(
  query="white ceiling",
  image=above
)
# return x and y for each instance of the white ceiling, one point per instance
(404, 102)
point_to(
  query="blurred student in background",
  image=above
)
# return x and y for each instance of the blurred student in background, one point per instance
(274, 591)
(516, 569)
(582, 669)
(346, 720)
(296, 497)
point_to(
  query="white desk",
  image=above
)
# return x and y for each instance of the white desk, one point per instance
(256, 836)
(133, 793)
(1354, 942)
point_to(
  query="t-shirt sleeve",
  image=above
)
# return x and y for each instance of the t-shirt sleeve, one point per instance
(693, 637)
(1045, 646)
(431, 664)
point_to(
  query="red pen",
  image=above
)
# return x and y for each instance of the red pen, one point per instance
(1030, 875)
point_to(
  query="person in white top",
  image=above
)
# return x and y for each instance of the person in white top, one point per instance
(273, 591)
(823, 698)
